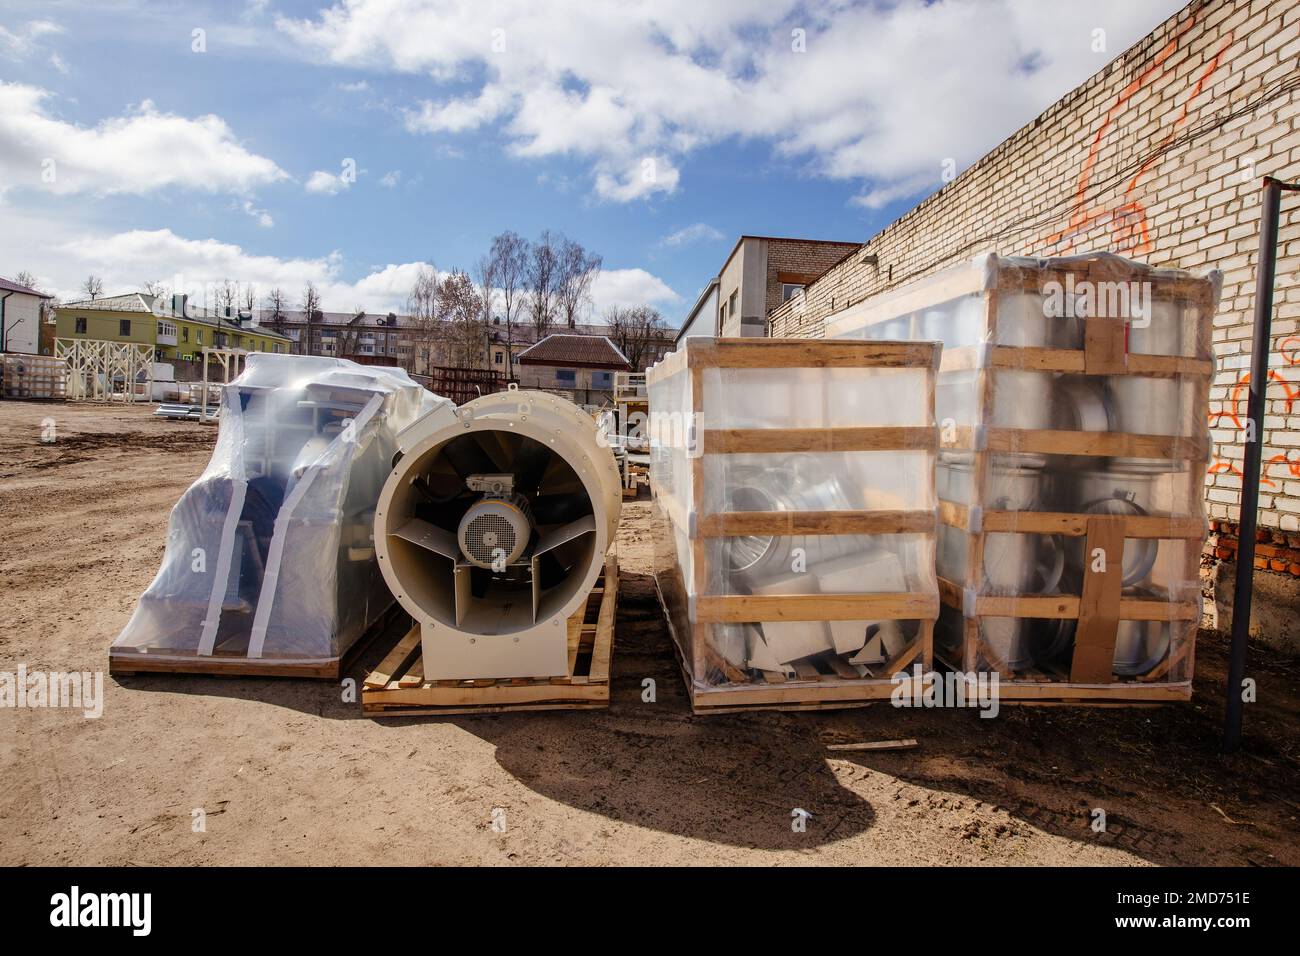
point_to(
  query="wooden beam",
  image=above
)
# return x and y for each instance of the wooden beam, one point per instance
(788, 440)
(748, 608)
(735, 523)
(1103, 580)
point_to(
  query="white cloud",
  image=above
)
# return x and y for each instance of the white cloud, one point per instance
(628, 287)
(330, 183)
(58, 63)
(262, 217)
(141, 152)
(23, 41)
(457, 115)
(391, 178)
(696, 232)
(881, 94)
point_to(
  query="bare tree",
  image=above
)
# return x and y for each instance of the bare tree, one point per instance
(424, 308)
(276, 305)
(311, 312)
(461, 309)
(540, 279)
(635, 331)
(155, 287)
(227, 295)
(509, 254)
(27, 279)
(576, 270)
(93, 286)
(250, 298)
(485, 276)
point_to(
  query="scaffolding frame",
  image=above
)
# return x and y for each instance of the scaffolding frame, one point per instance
(93, 365)
(231, 360)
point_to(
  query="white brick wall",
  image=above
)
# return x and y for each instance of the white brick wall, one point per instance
(1191, 118)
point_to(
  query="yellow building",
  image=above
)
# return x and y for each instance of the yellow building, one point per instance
(176, 330)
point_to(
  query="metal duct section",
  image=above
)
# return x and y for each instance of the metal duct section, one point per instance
(493, 528)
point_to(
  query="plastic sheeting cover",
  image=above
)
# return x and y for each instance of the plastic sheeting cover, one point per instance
(269, 554)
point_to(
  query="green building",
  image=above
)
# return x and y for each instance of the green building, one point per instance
(176, 330)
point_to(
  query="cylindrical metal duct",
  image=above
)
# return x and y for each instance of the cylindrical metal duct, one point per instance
(493, 528)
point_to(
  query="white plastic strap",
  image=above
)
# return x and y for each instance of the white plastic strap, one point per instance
(221, 577)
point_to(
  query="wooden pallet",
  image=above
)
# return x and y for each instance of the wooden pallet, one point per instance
(125, 662)
(1100, 606)
(715, 686)
(397, 688)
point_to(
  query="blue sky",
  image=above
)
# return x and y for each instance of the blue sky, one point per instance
(654, 133)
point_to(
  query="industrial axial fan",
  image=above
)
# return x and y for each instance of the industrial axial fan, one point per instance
(493, 528)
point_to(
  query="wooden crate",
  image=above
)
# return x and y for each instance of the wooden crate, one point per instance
(1101, 605)
(33, 377)
(123, 661)
(397, 688)
(823, 680)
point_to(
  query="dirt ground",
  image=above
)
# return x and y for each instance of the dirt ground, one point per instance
(285, 772)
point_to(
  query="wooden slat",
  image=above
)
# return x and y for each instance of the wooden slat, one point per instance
(1098, 444)
(1094, 638)
(1105, 346)
(809, 353)
(381, 675)
(604, 641)
(734, 523)
(1066, 607)
(1076, 525)
(789, 440)
(748, 608)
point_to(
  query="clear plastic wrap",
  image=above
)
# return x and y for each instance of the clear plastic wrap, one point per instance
(795, 483)
(1071, 402)
(269, 557)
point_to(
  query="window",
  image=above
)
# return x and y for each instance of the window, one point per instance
(731, 302)
(497, 357)
(566, 376)
(124, 328)
(602, 379)
(81, 325)
(279, 347)
(198, 336)
(788, 289)
(185, 333)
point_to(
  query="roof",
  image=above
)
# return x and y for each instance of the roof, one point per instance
(708, 290)
(7, 286)
(566, 348)
(143, 302)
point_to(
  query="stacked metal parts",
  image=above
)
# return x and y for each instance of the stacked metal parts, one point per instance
(269, 566)
(493, 528)
(795, 551)
(1072, 403)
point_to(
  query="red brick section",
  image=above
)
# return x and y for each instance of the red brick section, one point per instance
(1274, 550)
(801, 262)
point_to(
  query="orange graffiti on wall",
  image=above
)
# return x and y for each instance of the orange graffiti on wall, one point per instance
(1129, 229)
(1231, 410)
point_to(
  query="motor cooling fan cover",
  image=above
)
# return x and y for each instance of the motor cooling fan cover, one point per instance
(493, 533)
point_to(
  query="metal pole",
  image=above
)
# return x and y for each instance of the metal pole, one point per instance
(1242, 594)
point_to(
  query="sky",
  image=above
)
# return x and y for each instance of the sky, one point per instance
(345, 143)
